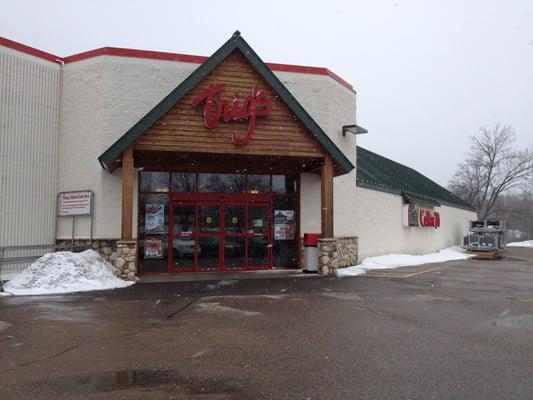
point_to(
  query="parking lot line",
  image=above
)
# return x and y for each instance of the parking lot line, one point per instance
(397, 273)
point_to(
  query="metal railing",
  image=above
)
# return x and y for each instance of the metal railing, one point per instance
(27, 258)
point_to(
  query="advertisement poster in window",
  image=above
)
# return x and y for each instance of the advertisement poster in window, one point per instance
(153, 246)
(284, 224)
(154, 218)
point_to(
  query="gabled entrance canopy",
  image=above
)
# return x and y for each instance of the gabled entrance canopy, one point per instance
(111, 158)
(266, 129)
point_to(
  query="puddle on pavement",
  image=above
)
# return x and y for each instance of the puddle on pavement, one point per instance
(525, 300)
(343, 296)
(167, 380)
(217, 308)
(4, 325)
(219, 284)
(514, 322)
(56, 311)
(248, 297)
(436, 297)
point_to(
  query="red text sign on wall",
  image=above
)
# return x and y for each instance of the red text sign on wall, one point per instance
(216, 108)
(429, 219)
(414, 216)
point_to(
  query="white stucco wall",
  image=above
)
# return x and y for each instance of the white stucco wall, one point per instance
(310, 204)
(377, 217)
(331, 105)
(102, 98)
(29, 121)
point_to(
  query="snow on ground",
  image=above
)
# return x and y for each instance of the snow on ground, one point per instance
(525, 243)
(403, 260)
(65, 272)
(8, 275)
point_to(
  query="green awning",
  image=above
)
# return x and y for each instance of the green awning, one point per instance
(421, 200)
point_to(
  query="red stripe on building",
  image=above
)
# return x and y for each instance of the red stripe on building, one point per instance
(303, 69)
(29, 50)
(121, 52)
(160, 55)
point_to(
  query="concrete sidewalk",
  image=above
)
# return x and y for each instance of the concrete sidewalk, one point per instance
(211, 276)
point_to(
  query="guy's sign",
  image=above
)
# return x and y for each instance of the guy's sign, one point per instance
(217, 108)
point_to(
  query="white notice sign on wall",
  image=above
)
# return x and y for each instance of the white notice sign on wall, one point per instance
(74, 203)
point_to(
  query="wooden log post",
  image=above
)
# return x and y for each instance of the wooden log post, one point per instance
(326, 197)
(127, 194)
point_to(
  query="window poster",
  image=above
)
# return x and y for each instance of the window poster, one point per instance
(154, 218)
(284, 225)
(153, 246)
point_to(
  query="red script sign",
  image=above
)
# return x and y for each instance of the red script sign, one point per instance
(217, 108)
(427, 219)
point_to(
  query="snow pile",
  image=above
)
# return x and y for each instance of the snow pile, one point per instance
(525, 243)
(65, 272)
(403, 260)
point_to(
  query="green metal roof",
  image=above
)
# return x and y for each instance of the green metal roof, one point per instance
(236, 42)
(379, 173)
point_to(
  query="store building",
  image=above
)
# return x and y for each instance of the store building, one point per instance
(194, 164)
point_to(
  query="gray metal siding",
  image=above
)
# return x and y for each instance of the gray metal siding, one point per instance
(29, 128)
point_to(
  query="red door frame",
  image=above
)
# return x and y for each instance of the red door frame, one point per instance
(216, 234)
(219, 200)
(224, 235)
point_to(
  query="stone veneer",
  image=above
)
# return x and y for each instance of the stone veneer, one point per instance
(338, 252)
(121, 254)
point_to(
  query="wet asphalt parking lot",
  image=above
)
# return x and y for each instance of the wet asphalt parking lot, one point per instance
(457, 330)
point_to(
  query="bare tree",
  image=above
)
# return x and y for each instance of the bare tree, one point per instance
(492, 167)
(517, 210)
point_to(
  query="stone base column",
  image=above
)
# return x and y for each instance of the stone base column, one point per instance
(338, 252)
(126, 261)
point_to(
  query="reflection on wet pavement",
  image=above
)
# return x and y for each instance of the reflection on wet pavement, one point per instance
(168, 380)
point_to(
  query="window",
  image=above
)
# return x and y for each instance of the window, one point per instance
(283, 184)
(221, 183)
(258, 184)
(153, 232)
(183, 182)
(154, 181)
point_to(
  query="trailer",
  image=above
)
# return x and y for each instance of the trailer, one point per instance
(486, 239)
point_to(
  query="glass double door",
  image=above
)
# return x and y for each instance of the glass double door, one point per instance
(207, 236)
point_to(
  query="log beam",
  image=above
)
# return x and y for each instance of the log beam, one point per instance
(326, 197)
(127, 194)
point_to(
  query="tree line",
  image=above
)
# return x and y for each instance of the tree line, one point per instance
(496, 178)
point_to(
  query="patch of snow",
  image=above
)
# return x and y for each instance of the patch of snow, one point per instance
(525, 243)
(8, 275)
(356, 270)
(227, 282)
(66, 272)
(403, 260)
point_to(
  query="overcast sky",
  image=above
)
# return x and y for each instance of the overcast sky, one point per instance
(427, 73)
